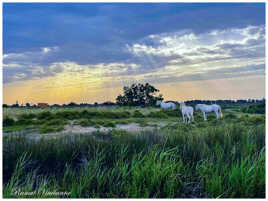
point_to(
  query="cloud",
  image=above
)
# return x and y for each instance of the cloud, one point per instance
(183, 52)
(184, 48)
(30, 57)
(222, 73)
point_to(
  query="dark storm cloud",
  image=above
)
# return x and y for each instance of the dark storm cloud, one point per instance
(33, 25)
(92, 33)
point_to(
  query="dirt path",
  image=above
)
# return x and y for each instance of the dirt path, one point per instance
(76, 130)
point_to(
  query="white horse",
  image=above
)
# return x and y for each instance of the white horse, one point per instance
(166, 105)
(209, 108)
(187, 111)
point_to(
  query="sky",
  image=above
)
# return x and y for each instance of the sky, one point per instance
(86, 52)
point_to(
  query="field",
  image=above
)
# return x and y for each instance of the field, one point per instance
(132, 152)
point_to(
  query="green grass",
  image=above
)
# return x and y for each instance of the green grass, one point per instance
(105, 123)
(8, 122)
(96, 122)
(86, 123)
(246, 178)
(138, 114)
(215, 159)
(227, 159)
(254, 108)
(52, 125)
(15, 128)
(50, 129)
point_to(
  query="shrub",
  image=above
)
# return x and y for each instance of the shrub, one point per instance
(86, 123)
(55, 122)
(24, 122)
(123, 121)
(159, 114)
(50, 129)
(8, 122)
(230, 116)
(172, 113)
(115, 115)
(104, 114)
(84, 114)
(106, 123)
(70, 115)
(256, 120)
(44, 115)
(141, 122)
(257, 109)
(137, 114)
(27, 116)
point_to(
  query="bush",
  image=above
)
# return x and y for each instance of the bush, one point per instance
(159, 114)
(106, 123)
(44, 115)
(8, 122)
(256, 120)
(50, 129)
(230, 116)
(137, 114)
(172, 113)
(115, 115)
(257, 109)
(27, 116)
(104, 114)
(24, 122)
(86, 123)
(55, 122)
(70, 115)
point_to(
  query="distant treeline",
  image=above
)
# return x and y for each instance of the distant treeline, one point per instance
(143, 95)
(226, 102)
(190, 102)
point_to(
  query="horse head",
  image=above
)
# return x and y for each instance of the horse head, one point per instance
(181, 104)
(158, 102)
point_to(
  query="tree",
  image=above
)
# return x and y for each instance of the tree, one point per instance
(139, 95)
(108, 103)
(72, 104)
(28, 105)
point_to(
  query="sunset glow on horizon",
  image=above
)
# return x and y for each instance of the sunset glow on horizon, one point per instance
(86, 53)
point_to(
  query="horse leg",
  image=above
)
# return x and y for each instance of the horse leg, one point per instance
(205, 118)
(217, 114)
(188, 118)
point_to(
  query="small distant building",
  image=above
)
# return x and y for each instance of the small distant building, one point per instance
(42, 105)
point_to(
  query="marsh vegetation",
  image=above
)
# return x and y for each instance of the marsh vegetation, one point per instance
(216, 158)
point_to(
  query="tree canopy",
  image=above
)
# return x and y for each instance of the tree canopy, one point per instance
(139, 95)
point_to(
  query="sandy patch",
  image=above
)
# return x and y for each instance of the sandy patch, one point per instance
(71, 129)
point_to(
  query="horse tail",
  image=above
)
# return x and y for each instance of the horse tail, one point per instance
(220, 112)
(192, 114)
(193, 117)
